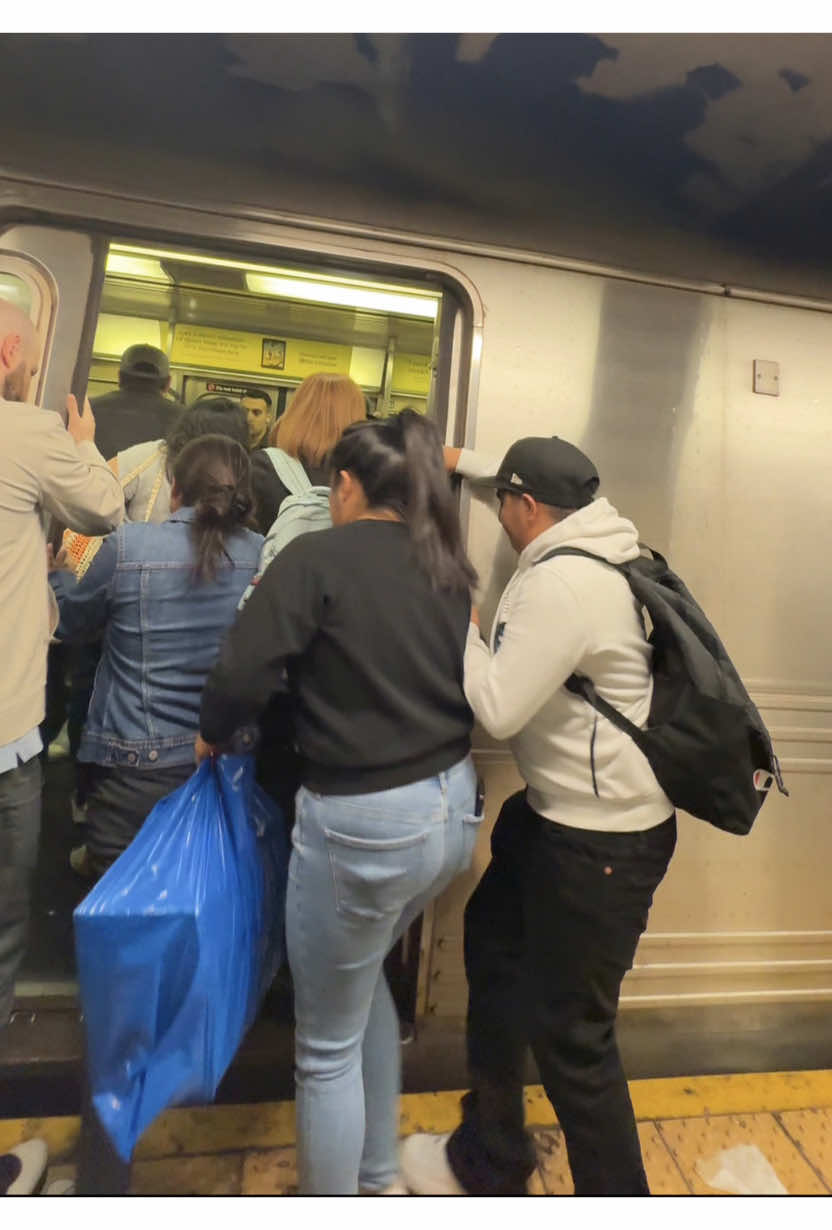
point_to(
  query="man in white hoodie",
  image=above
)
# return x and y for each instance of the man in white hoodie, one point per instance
(553, 926)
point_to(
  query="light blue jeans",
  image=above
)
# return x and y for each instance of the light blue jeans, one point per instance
(363, 867)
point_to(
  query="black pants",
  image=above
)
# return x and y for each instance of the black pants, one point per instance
(550, 932)
(55, 715)
(83, 663)
(118, 803)
(20, 809)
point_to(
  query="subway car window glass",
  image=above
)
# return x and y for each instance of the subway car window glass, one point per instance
(227, 324)
(26, 288)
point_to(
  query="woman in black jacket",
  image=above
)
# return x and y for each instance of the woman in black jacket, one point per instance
(363, 627)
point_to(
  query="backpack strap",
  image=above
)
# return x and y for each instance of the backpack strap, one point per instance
(589, 555)
(290, 471)
(582, 685)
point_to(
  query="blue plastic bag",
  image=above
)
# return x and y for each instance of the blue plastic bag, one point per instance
(177, 943)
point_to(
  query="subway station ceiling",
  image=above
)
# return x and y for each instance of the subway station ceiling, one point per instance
(725, 136)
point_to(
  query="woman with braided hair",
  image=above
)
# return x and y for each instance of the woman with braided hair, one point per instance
(163, 595)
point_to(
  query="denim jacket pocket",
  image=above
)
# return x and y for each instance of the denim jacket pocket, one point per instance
(374, 877)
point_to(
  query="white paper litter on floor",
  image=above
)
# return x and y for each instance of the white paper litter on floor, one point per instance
(743, 1170)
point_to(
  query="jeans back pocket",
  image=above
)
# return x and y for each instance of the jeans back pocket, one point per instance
(374, 878)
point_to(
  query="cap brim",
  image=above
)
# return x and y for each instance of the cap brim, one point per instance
(496, 482)
(500, 483)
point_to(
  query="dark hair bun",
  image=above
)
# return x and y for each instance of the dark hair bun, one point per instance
(213, 476)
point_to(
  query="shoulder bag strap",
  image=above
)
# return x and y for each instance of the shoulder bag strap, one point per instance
(141, 467)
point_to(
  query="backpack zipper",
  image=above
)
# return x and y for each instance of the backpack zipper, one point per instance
(592, 756)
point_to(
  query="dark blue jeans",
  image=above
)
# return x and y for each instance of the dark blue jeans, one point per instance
(550, 932)
(20, 795)
(119, 800)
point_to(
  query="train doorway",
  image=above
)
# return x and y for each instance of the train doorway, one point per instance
(230, 326)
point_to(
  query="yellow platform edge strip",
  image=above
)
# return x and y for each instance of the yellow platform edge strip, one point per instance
(271, 1125)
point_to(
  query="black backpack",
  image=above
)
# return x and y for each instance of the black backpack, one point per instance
(704, 739)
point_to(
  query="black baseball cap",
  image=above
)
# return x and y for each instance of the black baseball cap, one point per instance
(143, 360)
(548, 469)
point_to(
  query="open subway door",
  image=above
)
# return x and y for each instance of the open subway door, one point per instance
(55, 276)
(226, 324)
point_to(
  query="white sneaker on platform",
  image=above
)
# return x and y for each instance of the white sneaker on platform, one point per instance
(60, 1187)
(423, 1161)
(23, 1168)
(396, 1188)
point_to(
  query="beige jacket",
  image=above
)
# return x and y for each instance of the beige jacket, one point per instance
(42, 471)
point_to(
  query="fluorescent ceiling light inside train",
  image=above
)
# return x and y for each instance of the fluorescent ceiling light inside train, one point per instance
(136, 266)
(362, 295)
(346, 295)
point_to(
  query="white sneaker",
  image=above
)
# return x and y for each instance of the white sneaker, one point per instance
(423, 1161)
(23, 1168)
(61, 1187)
(396, 1188)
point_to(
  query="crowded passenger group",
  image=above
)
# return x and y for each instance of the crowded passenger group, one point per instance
(212, 568)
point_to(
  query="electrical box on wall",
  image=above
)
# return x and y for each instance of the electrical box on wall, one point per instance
(767, 377)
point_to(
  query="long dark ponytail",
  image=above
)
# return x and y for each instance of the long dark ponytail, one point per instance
(213, 476)
(400, 466)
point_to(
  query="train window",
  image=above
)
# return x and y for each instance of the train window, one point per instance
(229, 324)
(26, 285)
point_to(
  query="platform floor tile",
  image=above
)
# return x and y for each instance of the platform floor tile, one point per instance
(553, 1178)
(811, 1130)
(272, 1172)
(210, 1174)
(692, 1140)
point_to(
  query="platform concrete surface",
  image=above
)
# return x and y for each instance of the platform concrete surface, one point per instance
(250, 1150)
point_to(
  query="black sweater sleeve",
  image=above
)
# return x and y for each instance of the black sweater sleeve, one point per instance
(277, 623)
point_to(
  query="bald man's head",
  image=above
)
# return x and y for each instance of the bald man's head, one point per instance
(18, 352)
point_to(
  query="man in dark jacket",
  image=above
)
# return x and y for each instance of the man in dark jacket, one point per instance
(139, 411)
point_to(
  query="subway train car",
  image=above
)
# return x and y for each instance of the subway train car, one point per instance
(704, 404)
(664, 385)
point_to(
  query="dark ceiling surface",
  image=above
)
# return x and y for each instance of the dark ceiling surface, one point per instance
(728, 136)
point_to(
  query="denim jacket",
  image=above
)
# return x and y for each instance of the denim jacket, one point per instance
(162, 634)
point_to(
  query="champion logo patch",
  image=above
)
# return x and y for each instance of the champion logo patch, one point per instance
(763, 780)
